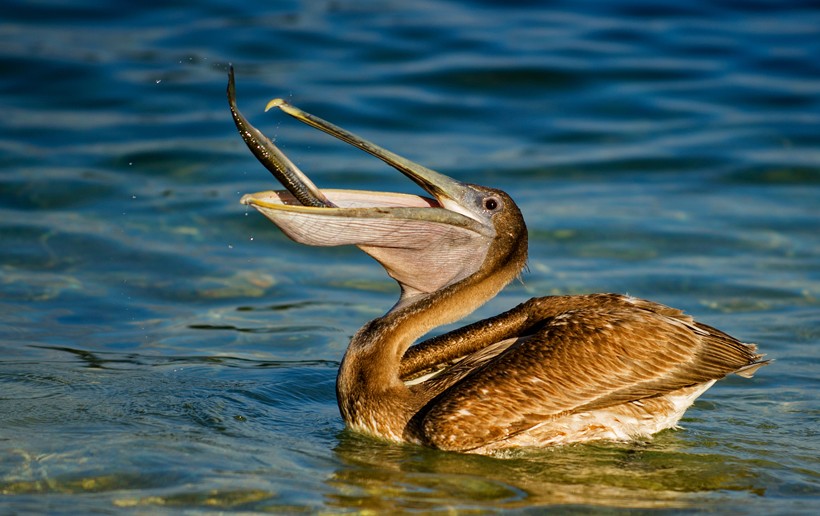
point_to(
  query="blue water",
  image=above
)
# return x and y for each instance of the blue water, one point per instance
(163, 348)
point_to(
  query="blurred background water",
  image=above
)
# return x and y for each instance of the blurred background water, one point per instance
(163, 348)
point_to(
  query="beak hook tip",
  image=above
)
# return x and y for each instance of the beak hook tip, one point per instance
(274, 103)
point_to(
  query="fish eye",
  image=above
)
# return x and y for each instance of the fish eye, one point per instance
(491, 203)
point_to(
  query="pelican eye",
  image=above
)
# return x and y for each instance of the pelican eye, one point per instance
(491, 203)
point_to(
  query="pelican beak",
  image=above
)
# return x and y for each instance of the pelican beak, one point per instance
(424, 243)
(451, 194)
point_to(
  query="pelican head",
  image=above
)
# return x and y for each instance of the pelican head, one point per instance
(426, 243)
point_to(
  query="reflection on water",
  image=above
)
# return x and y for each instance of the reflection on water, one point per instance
(376, 476)
(161, 422)
(163, 347)
(660, 474)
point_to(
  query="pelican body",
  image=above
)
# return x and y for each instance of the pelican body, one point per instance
(552, 370)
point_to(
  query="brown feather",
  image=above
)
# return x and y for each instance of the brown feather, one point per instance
(588, 353)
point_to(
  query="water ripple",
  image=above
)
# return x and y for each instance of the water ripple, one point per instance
(165, 347)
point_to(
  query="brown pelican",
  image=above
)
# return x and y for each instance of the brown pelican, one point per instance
(553, 370)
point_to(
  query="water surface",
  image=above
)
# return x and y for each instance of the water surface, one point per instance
(163, 348)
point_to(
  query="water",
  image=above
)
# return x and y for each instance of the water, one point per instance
(163, 348)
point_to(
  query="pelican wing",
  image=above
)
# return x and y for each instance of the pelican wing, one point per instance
(576, 360)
